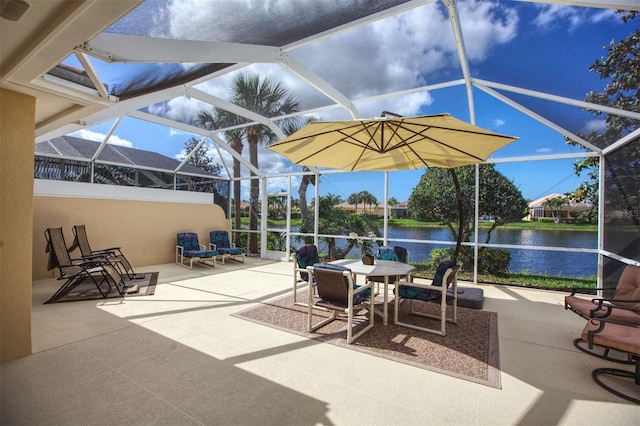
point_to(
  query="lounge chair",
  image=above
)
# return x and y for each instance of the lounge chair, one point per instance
(113, 254)
(189, 249)
(73, 271)
(305, 256)
(338, 294)
(113, 275)
(622, 337)
(219, 241)
(436, 292)
(622, 307)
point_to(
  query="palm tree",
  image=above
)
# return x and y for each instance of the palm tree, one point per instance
(289, 128)
(267, 99)
(368, 198)
(354, 199)
(220, 119)
(555, 205)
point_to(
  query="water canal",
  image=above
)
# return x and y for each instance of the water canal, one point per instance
(539, 262)
(533, 261)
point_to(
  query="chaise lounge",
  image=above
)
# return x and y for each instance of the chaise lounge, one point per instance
(114, 255)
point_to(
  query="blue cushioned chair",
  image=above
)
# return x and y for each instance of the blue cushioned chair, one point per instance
(395, 253)
(219, 241)
(338, 294)
(306, 255)
(188, 248)
(436, 292)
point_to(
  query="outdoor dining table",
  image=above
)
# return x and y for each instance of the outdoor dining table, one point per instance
(383, 268)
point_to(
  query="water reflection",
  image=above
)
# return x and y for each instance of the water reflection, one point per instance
(533, 261)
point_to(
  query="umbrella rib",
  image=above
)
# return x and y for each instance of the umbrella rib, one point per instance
(327, 132)
(348, 138)
(366, 146)
(407, 144)
(398, 124)
(473, 132)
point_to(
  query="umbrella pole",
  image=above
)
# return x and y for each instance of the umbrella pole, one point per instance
(456, 184)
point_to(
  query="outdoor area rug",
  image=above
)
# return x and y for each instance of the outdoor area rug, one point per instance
(469, 351)
(86, 290)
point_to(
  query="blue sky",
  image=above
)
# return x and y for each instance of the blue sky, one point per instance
(541, 47)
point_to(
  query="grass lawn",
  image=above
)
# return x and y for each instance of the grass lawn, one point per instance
(520, 279)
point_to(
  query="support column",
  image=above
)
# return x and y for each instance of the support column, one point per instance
(17, 133)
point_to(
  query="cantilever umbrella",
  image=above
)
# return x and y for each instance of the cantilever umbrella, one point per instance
(395, 143)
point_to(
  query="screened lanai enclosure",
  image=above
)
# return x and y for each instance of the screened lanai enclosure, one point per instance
(240, 75)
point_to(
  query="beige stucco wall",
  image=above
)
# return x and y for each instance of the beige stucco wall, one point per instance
(145, 230)
(17, 135)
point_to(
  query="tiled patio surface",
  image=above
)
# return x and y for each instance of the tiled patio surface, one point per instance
(179, 357)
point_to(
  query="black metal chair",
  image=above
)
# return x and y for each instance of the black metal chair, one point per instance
(113, 254)
(73, 271)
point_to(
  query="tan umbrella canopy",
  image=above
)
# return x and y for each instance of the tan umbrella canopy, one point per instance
(397, 143)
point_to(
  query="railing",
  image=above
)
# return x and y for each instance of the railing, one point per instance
(75, 170)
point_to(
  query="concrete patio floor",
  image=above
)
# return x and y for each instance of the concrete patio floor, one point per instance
(179, 358)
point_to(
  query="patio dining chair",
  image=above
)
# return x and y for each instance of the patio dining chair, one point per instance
(436, 292)
(188, 248)
(338, 294)
(219, 241)
(113, 254)
(395, 253)
(622, 307)
(305, 256)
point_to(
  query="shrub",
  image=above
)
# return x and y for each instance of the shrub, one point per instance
(490, 261)
(437, 256)
(493, 261)
(546, 220)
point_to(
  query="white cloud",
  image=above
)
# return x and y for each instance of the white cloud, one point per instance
(396, 53)
(604, 15)
(407, 105)
(551, 15)
(99, 137)
(182, 109)
(176, 132)
(486, 24)
(595, 125)
(499, 122)
(544, 150)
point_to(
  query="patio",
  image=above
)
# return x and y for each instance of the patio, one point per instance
(179, 357)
